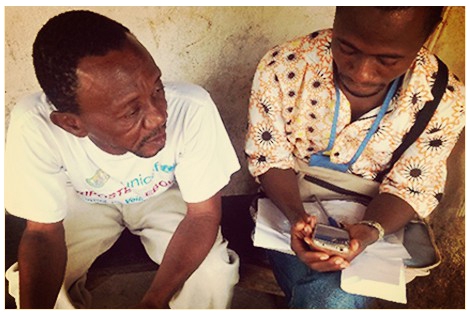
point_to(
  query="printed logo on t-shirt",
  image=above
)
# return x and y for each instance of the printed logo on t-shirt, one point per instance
(134, 190)
(98, 179)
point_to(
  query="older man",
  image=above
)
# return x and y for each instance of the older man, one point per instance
(107, 146)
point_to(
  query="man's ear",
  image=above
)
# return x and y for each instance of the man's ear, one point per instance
(70, 122)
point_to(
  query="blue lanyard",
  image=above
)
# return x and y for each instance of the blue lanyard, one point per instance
(374, 127)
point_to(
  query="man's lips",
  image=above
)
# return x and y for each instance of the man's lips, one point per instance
(160, 137)
(360, 90)
(156, 137)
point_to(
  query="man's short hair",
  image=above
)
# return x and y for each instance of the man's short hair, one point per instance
(62, 42)
(434, 16)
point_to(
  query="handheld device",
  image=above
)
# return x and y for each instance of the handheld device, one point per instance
(332, 239)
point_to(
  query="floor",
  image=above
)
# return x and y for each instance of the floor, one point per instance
(123, 291)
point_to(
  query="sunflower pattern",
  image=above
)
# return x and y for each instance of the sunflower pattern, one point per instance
(266, 136)
(265, 107)
(291, 112)
(416, 171)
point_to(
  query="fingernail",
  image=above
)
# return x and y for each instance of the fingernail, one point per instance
(324, 257)
(337, 262)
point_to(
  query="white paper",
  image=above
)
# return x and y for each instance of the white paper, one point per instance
(377, 289)
(273, 229)
(376, 272)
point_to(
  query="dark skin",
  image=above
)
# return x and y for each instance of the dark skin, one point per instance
(41, 245)
(122, 109)
(370, 48)
(122, 103)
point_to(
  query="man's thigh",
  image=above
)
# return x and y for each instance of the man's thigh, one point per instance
(156, 220)
(90, 230)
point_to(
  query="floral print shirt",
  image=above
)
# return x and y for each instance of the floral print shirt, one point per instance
(291, 112)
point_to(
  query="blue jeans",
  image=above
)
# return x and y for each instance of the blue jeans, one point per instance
(309, 289)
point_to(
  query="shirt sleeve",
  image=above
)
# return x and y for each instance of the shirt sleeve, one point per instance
(266, 144)
(34, 181)
(208, 158)
(420, 174)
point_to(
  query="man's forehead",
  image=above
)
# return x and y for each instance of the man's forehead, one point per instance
(130, 56)
(387, 26)
(119, 74)
(396, 15)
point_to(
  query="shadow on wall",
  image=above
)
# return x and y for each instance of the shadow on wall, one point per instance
(230, 86)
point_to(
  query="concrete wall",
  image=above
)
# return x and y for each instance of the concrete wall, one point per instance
(215, 47)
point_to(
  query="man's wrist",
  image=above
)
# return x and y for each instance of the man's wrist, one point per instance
(152, 301)
(375, 225)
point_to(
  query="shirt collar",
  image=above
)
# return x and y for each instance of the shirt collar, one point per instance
(419, 79)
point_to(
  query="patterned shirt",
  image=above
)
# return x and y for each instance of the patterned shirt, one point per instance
(291, 112)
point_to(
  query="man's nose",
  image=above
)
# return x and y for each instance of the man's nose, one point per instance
(363, 71)
(155, 116)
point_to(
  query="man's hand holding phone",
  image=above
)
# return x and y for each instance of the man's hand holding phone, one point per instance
(325, 258)
(302, 245)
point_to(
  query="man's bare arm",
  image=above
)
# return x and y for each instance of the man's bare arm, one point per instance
(189, 246)
(42, 257)
(281, 186)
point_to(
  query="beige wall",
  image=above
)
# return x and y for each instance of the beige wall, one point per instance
(215, 47)
(448, 41)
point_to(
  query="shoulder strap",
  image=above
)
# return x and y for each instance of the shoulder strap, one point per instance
(422, 118)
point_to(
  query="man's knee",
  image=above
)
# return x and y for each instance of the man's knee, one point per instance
(325, 293)
(221, 262)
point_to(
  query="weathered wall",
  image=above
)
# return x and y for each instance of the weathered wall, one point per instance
(215, 47)
(448, 41)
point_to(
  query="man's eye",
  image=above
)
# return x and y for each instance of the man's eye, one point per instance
(387, 61)
(347, 50)
(131, 113)
(159, 89)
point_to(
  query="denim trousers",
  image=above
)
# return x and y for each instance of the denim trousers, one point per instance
(308, 289)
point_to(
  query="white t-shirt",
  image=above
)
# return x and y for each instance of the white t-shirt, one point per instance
(42, 159)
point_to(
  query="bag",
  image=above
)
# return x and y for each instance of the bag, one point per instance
(329, 184)
(420, 242)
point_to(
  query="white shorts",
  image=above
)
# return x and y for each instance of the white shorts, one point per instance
(91, 229)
